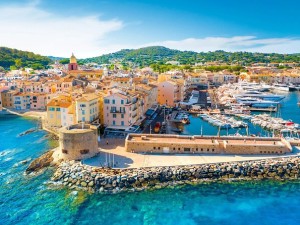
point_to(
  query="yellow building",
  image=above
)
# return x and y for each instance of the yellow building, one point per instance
(7, 98)
(101, 95)
(57, 111)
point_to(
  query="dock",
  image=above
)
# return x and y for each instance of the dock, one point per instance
(263, 109)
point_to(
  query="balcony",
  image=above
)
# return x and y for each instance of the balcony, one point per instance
(117, 111)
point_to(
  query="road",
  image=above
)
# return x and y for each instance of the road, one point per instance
(151, 123)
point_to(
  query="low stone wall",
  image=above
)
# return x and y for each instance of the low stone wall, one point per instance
(77, 176)
(178, 144)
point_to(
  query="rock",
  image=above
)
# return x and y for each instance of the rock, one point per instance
(91, 184)
(42, 162)
(83, 184)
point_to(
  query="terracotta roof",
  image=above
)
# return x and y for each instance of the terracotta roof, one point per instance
(87, 97)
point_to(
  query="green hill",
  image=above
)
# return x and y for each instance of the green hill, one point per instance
(160, 55)
(15, 59)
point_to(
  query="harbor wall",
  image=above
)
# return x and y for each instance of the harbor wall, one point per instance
(76, 176)
(175, 144)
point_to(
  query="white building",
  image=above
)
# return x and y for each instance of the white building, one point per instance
(87, 108)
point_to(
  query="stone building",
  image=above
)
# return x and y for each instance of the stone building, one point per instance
(79, 141)
(157, 143)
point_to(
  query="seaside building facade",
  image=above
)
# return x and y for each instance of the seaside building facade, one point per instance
(58, 112)
(87, 108)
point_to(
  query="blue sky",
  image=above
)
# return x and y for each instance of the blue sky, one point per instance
(94, 27)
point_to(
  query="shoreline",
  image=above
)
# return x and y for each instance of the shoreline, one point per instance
(76, 176)
(37, 115)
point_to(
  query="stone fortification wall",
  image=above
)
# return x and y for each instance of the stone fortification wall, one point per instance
(77, 176)
(208, 144)
(78, 142)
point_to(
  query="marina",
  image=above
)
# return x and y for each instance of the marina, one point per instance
(288, 113)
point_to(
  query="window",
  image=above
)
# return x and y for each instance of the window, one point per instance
(51, 116)
(114, 122)
(84, 151)
(122, 123)
(83, 119)
(82, 105)
(113, 101)
(83, 112)
(114, 115)
(106, 101)
(57, 109)
(122, 101)
(51, 109)
(122, 116)
(113, 109)
(65, 151)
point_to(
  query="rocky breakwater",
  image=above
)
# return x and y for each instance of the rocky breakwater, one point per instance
(77, 176)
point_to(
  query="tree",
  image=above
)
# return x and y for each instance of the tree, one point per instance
(18, 63)
(64, 61)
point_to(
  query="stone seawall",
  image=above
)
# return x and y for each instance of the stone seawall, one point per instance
(77, 176)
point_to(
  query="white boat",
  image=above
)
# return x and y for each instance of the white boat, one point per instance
(257, 103)
(280, 87)
(260, 95)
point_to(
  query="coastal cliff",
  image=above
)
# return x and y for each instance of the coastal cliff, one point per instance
(74, 175)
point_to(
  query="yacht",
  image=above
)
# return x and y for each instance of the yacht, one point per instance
(260, 95)
(292, 87)
(257, 103)
(280, 87)
(247, 86)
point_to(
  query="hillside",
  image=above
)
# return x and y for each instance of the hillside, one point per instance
(15, 59)
(158, 54)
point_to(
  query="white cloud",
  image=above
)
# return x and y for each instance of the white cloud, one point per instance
(236, 43)
(30, 28)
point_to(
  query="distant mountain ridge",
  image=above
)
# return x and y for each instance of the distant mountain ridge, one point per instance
(159, 54)
(15, 59)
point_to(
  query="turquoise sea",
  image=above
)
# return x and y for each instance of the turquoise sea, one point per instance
(29, 200)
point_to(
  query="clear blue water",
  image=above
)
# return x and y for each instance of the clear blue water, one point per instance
(29, 200)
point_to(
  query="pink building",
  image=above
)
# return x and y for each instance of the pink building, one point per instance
(120, 109)
(38, 101)
(170, 93)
